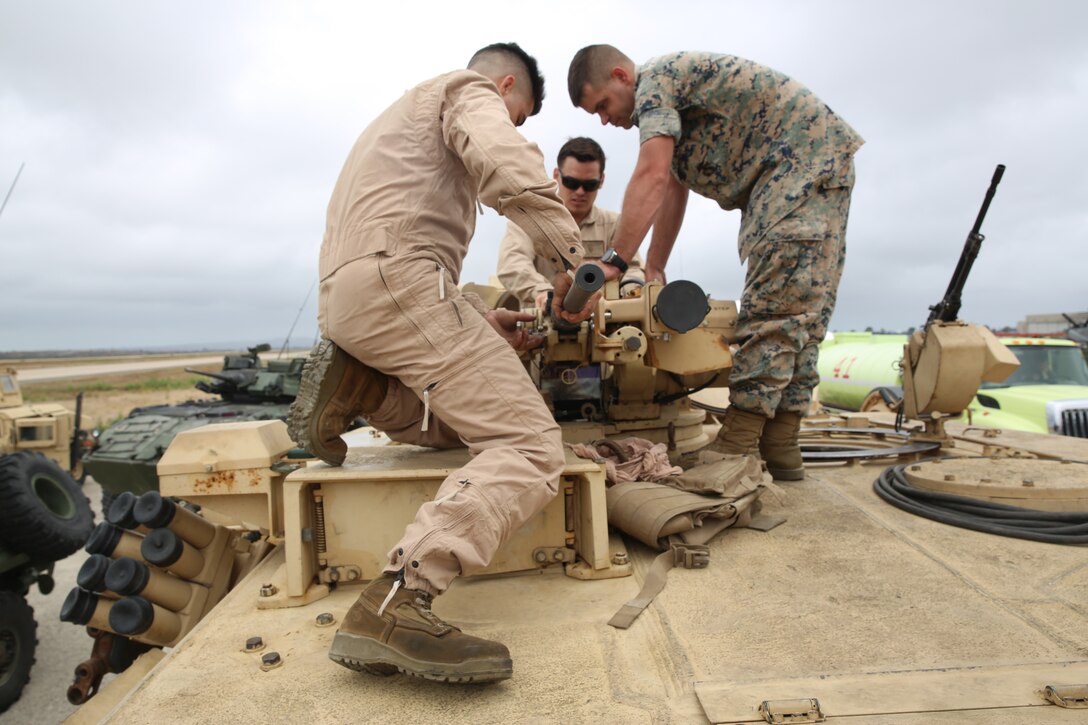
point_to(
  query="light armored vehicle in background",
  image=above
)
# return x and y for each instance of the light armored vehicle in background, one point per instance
(851, 610)
(44, 517)
(125, 454)
(861, 371)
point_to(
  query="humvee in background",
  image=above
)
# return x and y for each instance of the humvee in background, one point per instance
(44, 517)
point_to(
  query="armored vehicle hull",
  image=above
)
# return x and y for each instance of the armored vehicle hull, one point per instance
(125, 454)
(128, 451)
(849, 610)
(852, 610)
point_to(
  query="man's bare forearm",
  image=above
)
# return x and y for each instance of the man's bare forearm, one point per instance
(645, 194)
(667, 225)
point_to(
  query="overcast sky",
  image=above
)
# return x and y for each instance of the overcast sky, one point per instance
(180, 155)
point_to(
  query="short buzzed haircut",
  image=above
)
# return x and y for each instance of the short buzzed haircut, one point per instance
(583, 149)
(592, 64)
(512, 53)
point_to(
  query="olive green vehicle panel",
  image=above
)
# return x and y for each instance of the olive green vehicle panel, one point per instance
(130, 449)
(882, 616)
(11, 559)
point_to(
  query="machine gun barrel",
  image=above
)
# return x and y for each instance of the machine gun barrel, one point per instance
(227, 382)
(948, 309)
(588, 278)
(213, 376)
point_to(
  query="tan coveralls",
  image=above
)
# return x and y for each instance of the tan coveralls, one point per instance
(525, 274)
(399, 224)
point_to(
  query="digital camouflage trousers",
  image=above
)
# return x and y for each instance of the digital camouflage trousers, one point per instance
(789, 295)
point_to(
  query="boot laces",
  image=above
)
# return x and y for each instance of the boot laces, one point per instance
(422, 601)
(423, 606)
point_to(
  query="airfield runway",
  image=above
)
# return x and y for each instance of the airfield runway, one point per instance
(93, 370)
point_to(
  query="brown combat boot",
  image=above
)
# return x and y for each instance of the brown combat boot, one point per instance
(392, 628)
(334, 390)
(739, 434)
(779, 447)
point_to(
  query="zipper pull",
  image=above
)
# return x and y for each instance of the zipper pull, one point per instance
(441, 282)
(427, 406)
(392, 590)
(462, 483)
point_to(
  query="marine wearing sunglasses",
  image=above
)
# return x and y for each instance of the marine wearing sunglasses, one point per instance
(578, 178)
(574, 184)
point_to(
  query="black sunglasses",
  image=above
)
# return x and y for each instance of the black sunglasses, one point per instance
(590, 185)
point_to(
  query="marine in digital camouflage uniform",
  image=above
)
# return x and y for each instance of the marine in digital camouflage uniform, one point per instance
(753, 139)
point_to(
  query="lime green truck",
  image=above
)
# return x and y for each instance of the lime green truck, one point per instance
(1047, 394)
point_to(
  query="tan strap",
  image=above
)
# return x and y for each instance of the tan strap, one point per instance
(689, 556)
(655, 582)
(682, 522)
(765, 522)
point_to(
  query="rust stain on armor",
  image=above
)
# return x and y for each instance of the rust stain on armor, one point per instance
(228, 481)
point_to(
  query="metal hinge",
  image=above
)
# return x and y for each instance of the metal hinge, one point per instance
(792, 711)
(340, 574)
(1071, 696)
(568, 508)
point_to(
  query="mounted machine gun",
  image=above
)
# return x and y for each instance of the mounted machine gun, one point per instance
(945, 361)
(630, 367)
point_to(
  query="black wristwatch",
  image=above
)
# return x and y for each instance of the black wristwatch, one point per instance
(611, 256)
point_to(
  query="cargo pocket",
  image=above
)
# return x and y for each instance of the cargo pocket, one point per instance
(780, 277)
(802, 223)
(425, 294)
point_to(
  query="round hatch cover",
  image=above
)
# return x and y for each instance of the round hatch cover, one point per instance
(1042, 485)
(681, 305)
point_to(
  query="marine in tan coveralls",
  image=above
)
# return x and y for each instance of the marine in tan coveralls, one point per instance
(579, 175)
(423, 363)
(753, 139)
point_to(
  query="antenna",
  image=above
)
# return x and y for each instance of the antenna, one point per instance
(287, 341)
(17, 173)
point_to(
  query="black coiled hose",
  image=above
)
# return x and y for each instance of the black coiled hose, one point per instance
(986, 516)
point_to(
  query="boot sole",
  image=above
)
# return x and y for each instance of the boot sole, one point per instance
(320, 365)
(369, 655)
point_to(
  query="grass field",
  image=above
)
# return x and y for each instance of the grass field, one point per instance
(111, 397)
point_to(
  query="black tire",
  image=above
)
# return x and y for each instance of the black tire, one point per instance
(18, 640)
(43, 513)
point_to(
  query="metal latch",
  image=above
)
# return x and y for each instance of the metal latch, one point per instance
(792, 711)
(1071, 696)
